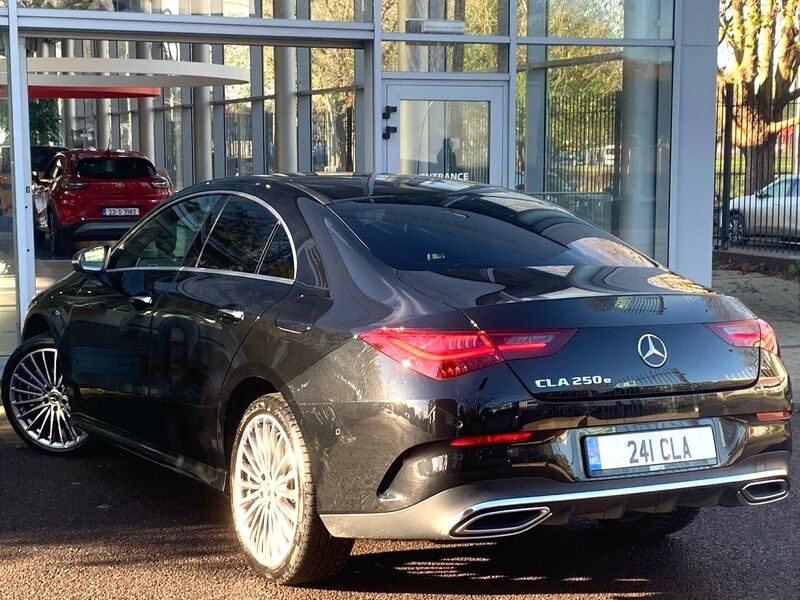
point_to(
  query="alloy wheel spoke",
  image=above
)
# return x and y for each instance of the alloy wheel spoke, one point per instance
(17, 402)
(29, 392)
(247, 469)
(41, 405)
(42, 410)
(287, 512)
(285, 462)
(252, 460)
(52, 420)
(250, 496)
(46, 370)
(30, 384)
(43, 380)
(251, 512)
(287, 493)
(58, 426)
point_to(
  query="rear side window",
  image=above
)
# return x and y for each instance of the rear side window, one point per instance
(239, 237)
(279, 260)
(114, 168)
(496, 229)
(167, 238)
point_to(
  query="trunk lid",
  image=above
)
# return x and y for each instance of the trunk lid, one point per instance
(132, 192)
(620, 314)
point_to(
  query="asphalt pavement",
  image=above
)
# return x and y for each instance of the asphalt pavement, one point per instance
(110, 525)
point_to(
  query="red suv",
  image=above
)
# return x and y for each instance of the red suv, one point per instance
(93, 195)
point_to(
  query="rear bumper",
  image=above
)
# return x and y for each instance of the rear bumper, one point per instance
(99, 229)
(516, 505)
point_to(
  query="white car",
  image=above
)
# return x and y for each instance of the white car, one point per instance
(772, 211)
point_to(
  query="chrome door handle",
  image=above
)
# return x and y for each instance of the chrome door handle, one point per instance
(230, 315)
(141, 300)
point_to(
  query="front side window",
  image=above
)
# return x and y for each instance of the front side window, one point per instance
(239, 237)
(166, 239)
(777, 189)
(55, 169)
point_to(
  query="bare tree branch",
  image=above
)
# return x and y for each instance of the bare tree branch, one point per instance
(778, 126)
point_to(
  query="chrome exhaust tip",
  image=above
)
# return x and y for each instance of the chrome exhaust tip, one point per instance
(764, 492)
(492, 523)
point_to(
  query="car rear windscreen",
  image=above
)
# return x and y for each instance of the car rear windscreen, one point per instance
(496, 229)
(114, 168)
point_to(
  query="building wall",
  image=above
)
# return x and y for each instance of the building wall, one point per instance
(603, 107)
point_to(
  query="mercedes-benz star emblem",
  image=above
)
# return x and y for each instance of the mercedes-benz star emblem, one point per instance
(652, 350)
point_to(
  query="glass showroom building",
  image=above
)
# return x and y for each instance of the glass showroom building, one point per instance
(604, 106)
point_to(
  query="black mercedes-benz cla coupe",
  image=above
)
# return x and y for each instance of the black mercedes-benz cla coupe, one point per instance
(405, 358)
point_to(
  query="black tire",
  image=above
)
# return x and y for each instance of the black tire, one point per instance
(737, 230)
(313, 553)
(43, 421)
(652, 525)
(58, 241)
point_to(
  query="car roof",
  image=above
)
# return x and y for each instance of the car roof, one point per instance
(337, 188)
(81, 153)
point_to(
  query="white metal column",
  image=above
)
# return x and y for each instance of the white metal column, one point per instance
(21, 168)
(693, 133)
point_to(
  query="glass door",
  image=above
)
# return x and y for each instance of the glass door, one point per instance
(452, 131)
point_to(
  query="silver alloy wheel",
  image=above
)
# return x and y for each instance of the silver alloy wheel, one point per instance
(266, 490)
(39, 401)
(735, 230)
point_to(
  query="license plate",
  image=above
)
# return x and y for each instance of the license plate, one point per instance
(120, 212)
(655, 450)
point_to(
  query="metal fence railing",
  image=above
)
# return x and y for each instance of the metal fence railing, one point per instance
(757, 187)
(582, 166)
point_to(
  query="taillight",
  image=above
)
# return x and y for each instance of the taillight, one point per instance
(530, 344)
(492, 438)
(160, 183)
(778, 415)
(72, 184)
(445, 354)
(753, 333)
(437, 354)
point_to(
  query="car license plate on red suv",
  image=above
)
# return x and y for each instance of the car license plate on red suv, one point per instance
(120, 212)
(655, 450)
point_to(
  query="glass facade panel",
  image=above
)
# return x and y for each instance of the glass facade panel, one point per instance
(173, 136)
(321, 10)
(471, 17)
(332, 132)
(332, 110)
(444, 57)
(445, 138)
(593, 135)
(8, 261)
(269, 136)
(238, 139)
(612, 19)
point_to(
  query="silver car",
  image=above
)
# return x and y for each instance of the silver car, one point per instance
(772, 211)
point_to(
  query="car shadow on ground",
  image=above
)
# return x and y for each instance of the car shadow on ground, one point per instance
(115, 510)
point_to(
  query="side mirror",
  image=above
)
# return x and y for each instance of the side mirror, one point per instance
(91, 260)
(763, 194)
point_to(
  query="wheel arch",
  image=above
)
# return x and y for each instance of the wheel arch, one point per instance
(233, 407)
(36, 324)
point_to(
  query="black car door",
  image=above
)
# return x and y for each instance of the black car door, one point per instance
(245, 266)
(109, 338)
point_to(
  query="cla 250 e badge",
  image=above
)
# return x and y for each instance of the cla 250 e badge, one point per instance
(572, 381)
